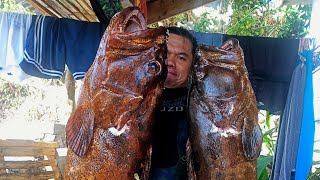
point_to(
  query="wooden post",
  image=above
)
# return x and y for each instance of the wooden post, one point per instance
(70, 85)
(2, 170)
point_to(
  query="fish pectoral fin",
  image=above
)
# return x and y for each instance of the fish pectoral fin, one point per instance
(251, 139)
(79, 130)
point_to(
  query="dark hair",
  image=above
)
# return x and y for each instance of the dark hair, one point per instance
(185, 33)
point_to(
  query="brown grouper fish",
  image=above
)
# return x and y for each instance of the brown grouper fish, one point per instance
(225, 136)
(109, 133)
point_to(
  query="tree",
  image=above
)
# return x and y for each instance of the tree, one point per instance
(13, 6)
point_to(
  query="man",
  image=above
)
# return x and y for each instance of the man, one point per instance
(170, 131)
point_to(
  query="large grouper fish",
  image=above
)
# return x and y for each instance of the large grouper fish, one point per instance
(109, 133)
(225, 136)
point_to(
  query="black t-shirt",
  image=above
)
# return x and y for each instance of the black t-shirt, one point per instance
(170, 131)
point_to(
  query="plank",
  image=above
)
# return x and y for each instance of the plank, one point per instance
(25, 164)
(2, 170)
(162, 9)
(26, 151)
(85, 10)
(70, 4)
(51, 9)
(85, 5)
(26, 143)
(54, 165)
(57, 6)
(70, 13)
(37, 175)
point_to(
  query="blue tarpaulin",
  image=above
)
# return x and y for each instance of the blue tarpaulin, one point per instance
(306, 141)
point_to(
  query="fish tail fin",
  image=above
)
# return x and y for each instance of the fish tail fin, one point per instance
(79, 130)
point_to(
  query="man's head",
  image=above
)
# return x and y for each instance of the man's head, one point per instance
(181, 51)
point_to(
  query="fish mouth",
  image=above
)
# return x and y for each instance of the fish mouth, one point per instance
(133, 20)
(128, 20)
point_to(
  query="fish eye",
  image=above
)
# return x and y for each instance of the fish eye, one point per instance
(154, 67)
(199, 73)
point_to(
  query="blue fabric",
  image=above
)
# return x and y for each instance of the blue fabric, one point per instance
(213, 39)
(270, 63)
(81, 40)
(284, 161)
(306, 142)
(53, 43)
(44, 54)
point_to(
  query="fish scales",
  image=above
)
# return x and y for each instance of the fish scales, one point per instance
(225, 137)
(109, 133)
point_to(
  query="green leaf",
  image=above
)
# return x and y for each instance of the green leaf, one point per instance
(268, 117)
(264, 175)
(270, 131)
(263, 162)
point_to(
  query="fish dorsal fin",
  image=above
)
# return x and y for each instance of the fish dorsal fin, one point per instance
(79, 130)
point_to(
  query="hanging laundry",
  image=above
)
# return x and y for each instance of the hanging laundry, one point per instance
(284, 161)
(52, 43)
(44, 54)
(270, 63)
(212, 39)
(81, 41)
(14, 28)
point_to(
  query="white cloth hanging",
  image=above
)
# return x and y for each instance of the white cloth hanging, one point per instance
(13, 33)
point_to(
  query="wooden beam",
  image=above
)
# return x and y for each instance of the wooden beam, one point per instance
(76, 10)
(2, 170)
(70, 14)
(163, 9)
(48, 7)
(55, 5)
(87, 11)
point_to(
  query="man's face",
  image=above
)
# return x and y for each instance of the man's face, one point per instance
(179, 61)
